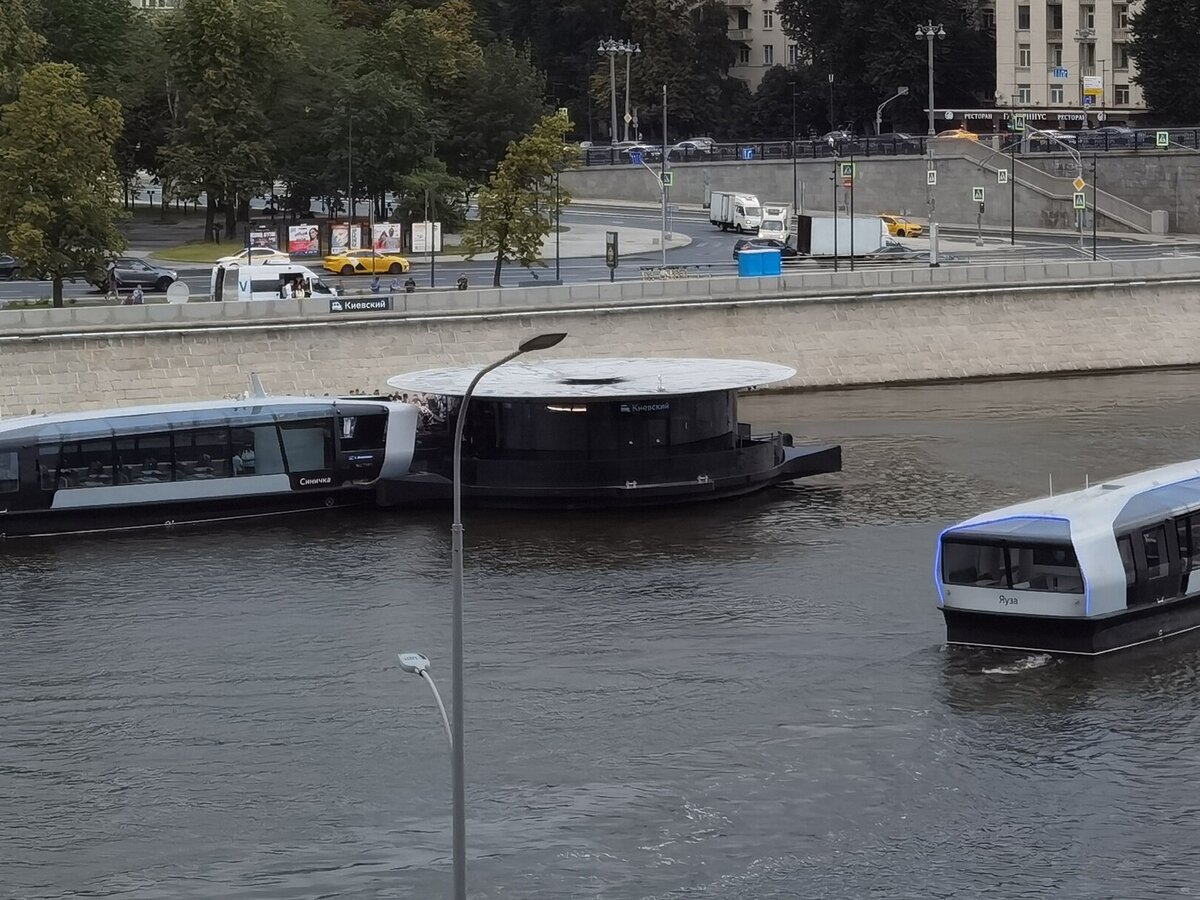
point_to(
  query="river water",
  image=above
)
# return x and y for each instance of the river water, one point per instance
(742, 700)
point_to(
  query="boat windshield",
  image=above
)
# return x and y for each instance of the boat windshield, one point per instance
(1023, 567)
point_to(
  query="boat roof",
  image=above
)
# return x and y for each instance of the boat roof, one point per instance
(1127, 502)
(141, 419)
(597, 378)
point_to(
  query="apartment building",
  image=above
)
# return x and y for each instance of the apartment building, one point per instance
(1065, 57)
(757, 34)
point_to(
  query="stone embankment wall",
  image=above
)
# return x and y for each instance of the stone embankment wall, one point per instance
(1167, 181)
(892, 335)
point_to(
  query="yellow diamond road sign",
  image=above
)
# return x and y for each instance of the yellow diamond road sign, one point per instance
(1079, 183)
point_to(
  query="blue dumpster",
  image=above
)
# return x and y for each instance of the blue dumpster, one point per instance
(760, 262)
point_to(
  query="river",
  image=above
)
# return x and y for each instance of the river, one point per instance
(744, 700)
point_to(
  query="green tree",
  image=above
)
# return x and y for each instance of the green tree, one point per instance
(94, 35)
(1163, 46)
(871, 49)
(771, 115)
(226, 75)
(58, 182)
(21, 48)
(516, 208)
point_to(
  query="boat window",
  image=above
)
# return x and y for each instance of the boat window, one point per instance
(1022, 567)
(202, 454)
(256, 451)
(979, 565)
(1154, 542)
(1125, 548)
(86, 464)
(9, 480)
(1188, 531)
(48, 455)
(144, 458)
(1045, 567)
(308, 446)
(362, 432)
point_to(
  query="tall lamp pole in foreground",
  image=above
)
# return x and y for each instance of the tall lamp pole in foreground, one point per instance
(458, 759)
(928, 33)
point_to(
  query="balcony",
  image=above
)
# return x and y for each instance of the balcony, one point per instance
(740, 35)
(1054, 35)
(739, 4)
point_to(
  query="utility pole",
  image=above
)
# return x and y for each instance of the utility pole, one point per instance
(662, 181)
(928, 33)
(795, 176)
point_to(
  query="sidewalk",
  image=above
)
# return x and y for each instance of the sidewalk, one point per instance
(577, 240)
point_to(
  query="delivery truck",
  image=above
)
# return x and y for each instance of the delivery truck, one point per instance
(776, 222)
(729, 209)
(842, 236)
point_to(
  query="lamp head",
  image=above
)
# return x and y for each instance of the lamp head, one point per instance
(413, 663)
(941, 32)
(541, 342)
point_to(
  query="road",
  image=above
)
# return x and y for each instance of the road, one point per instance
(709, 253)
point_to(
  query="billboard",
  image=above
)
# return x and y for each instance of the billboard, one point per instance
(427, 237)
(386, 238)
(343, 238)
(264, 237)
(304, 240)
(1093, 85)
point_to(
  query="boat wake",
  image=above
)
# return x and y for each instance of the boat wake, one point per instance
(1029, 662)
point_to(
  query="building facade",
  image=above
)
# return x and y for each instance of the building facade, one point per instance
(1067, 58)
(156, 4)
(756, 31)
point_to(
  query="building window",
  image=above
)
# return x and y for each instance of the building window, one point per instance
(1054, 17)
(1087, 16)
(1121, 92)
(1024, 56)
(1120, 56)
(768, 19)
(989, 20)
(743, 55)
(1121, 15)
(1023, 17)
(793, 54)
(1024, 94)
(768, 55)
(1055, 54)
(1056, 95)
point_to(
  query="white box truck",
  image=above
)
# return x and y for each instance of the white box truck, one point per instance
(815, 235)
(776, 221)
(729, 209)
(264, 282)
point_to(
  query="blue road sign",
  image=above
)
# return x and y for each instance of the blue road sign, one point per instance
(747, 153)
(1089, 101)
(635, 157)
(1060, 72)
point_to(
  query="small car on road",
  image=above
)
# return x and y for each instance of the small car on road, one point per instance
(898, 226)
(129, 272)
(257, 256)
(758, 243)
(10, 267)
(365, 262)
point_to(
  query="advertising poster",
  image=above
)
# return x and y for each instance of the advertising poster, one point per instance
(386, 238)
(304, 240)
(343, 238)
(427, 237)
(264, 237)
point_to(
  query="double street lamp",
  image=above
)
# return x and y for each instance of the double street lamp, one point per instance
(929, 32)
(416, 664)
(611, 48)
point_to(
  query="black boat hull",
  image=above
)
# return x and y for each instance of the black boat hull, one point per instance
(96, 520)
(1091, 636)
(430, 489)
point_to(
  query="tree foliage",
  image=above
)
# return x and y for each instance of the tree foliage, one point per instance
(871, 49)
(1163, 46)
(517, 207)
(21, 48)
(58, 182)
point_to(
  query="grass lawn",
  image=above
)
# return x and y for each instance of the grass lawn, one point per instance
(197, 252)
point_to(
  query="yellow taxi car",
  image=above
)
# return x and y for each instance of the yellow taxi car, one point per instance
(898, 226)
(959, 133)
(365, 262)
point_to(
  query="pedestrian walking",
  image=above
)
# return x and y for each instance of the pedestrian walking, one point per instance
(462, 282)
(375, 284)
(409, 285)
(395, 286)
(137, 298)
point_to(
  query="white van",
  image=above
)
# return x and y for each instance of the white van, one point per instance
(264, 282)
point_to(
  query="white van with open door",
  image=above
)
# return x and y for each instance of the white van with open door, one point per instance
(265, 282)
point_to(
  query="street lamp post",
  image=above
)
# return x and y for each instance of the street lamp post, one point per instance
(609, 48)
(418, 664)
(628, 49)
(928, 33)
(458, 761)
(900, 92)
(1083, 37)
(795, 176)
(832, 124)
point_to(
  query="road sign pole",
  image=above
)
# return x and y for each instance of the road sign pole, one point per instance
(1095, 208)
(1012, 195)
(852, 212)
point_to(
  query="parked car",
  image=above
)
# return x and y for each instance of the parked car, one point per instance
(258, 256)
(898, 226)
(958, 133)
(129, 272)
(894, 142)
(10, 267)
(365, 262)
(1107, 136)
(626, 149)
(785, 250)
(690, 150)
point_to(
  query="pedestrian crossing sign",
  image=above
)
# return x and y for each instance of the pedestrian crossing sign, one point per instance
(931, 177)
(847, 169)
(977, 194)
(1002, 176)
(1080, 200)
(668, 179)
